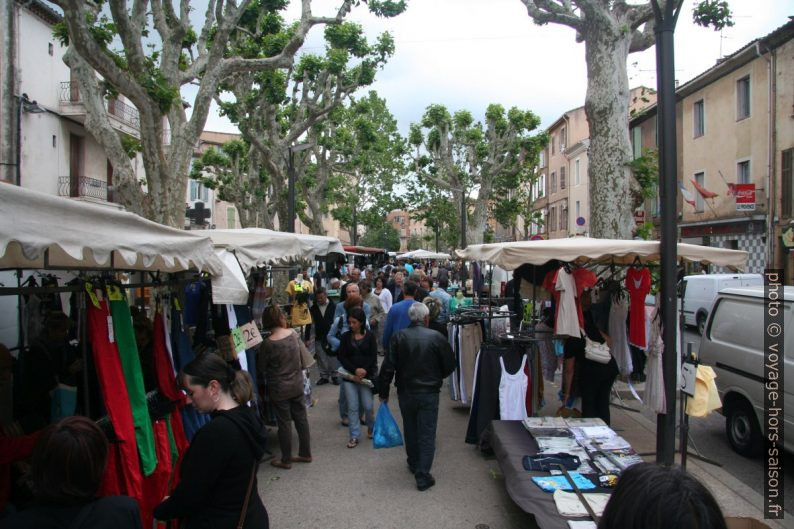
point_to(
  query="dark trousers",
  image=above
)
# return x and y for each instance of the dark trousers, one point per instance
(595, 387)
(287, 411)
(420, 417)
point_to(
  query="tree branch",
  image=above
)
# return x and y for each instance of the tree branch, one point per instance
(545, 11)
(642, 40)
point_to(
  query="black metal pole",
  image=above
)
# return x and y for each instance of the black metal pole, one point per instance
(668, 190)
(290, 224)
(462, 219)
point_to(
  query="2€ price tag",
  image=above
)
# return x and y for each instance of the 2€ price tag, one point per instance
(251, 335)
(238, 340)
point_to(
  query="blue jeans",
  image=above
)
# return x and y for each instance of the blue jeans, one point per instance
(420, 417)
(359, 398)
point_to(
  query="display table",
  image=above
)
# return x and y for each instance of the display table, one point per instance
(511, 442)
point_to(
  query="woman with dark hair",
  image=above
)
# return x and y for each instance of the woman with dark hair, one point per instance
(358, 354)
(590, 380)
(66, 470)
(650, 496)
(279, 361)
(218, 471)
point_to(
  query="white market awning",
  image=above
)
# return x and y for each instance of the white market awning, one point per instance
(257, 247)
(581, 250)
(42, 231)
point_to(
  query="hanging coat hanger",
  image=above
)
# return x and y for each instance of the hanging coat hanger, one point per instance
(637, 263)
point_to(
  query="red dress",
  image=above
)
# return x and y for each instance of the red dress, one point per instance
(638, 285)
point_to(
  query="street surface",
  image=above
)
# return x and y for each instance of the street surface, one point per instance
(708, 435)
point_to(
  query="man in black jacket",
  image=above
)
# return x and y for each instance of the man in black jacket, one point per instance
(322, 312)
(422, 359)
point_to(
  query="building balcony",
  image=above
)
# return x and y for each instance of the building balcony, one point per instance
(123, 117)
(84, 187)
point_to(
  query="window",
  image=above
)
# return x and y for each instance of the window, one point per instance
(198, 192)
(743, 172)
(636, 142)
(699, 203)
(578, 179)
(542, 159)
(562, 177)
(551, 141)
(230, 218)
(564, 215)
(553, 219)
(787, 175)
(553, 182)
(563, 139)
(743, 98)
(542, 186)
(699, 116)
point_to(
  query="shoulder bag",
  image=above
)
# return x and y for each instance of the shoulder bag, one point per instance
(597, 352)
(247, 496)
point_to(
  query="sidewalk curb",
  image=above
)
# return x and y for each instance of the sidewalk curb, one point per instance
(725, 487)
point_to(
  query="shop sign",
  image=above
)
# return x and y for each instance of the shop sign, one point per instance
(745, 197)
(639, 216)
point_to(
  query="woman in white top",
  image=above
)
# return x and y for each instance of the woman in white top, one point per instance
(384, 295)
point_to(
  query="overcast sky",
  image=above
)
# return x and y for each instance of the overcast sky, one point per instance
(467, 54)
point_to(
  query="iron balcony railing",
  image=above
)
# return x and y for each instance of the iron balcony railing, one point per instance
(83, 186)
(70, 93)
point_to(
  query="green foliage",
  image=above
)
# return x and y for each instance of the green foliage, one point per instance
(368, 150)
(646, 171)
(383, 236)
(714, 13)
(387, 8)
(644, 231)
(415, 242)
(130, 145)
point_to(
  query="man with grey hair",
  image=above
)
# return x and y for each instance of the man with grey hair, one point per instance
(419, 359)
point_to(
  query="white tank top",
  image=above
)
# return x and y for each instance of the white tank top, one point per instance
(513, 393)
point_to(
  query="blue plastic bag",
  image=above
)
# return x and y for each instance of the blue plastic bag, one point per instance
(386, 433)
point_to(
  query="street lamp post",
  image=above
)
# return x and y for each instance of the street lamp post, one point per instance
(292, 149)
(463, 219)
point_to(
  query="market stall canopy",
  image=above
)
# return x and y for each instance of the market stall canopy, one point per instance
(231, 287)
(427, 254)
(580, 250)
(363, 250)
(44, 231)
(323, 244)
(257, 247)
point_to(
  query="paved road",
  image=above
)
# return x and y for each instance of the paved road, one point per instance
(708, 435)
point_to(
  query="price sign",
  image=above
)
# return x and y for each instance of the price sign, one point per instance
(251, 335)
(238, 340)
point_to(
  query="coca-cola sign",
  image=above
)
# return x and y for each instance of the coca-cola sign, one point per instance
(745, 197)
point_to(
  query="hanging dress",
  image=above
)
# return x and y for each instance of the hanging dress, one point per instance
(513, 392)
(638, 284)
(618, 312)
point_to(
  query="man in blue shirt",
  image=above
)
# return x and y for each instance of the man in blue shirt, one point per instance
(398, 319)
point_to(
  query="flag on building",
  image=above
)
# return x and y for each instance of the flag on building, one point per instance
(688, 197)
(705, 193)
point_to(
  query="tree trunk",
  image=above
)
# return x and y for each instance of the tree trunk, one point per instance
(607, 109)
(478, 221)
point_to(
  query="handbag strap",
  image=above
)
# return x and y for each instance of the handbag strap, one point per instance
(247, 495)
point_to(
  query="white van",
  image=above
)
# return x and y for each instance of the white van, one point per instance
(733, 344)
(697, 293)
